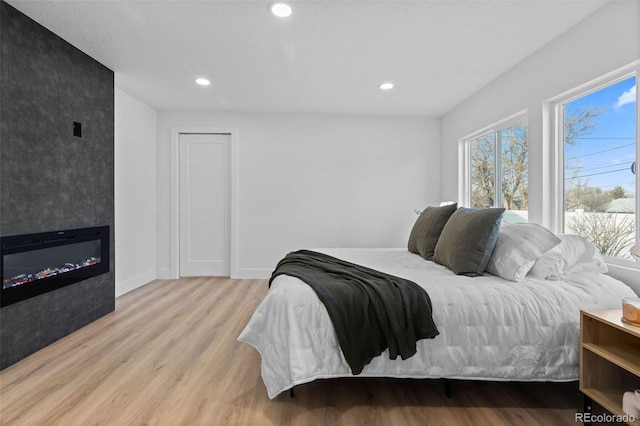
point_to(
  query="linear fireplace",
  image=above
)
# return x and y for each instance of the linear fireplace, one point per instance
(34, 264)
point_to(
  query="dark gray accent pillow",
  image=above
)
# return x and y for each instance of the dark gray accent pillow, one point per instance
(468, 239)
(426, 231)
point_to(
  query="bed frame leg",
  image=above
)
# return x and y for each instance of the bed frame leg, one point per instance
(291, 393)
(587, 408)
(447, 388)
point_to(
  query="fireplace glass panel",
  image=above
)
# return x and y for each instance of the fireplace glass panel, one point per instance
(34, 264)
(26, 267)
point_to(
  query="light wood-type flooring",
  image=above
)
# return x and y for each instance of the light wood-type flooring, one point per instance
(168, 355)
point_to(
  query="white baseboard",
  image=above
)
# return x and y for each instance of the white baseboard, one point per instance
(135, 282)
(241, 274)
(163, 274)
(253, 273)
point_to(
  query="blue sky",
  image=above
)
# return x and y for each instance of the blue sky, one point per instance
(604, 157)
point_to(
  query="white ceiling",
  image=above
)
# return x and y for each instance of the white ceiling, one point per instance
(328, 57)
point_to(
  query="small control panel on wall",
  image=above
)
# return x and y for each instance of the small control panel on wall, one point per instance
(77, 129)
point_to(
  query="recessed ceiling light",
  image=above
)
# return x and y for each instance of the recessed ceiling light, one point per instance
(279, 9)
(386, 86)
(202, 81)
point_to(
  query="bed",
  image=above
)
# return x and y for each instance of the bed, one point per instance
(490, 328)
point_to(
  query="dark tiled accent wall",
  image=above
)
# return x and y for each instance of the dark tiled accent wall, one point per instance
(49, 179)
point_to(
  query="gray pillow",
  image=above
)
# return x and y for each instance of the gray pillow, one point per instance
(468, 239)
(427, 229)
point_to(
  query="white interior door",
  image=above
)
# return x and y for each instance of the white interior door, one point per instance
(205, 205)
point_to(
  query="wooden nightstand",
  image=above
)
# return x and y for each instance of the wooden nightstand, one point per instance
(609, 359)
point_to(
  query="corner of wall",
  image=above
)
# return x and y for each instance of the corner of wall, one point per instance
(135, 192)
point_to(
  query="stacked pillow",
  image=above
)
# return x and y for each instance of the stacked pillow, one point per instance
(427, 229)
(573, 254)
(517, 248)
(462, 238)
(529, 250)
(468, 239)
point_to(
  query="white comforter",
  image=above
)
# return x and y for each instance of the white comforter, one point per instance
(490, 328)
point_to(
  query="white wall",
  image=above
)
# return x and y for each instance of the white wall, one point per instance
(309, 181)
(135, 192)
(605, 41)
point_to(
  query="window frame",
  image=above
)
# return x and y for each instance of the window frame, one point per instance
(555, 115)
(466, 190)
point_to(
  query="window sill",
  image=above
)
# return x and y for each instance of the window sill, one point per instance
(621, 263)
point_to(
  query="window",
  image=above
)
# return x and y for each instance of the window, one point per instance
(599, 152)
(483, 171)
(497, 169)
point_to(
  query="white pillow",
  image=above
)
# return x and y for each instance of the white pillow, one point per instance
(580, 254)
(573, 254)
(549, 266)
(517, 248)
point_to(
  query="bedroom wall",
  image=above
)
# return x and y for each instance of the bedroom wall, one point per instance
(135, 192)
(314, 181)
(605, 41)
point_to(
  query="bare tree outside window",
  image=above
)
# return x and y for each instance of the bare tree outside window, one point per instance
(482, 171)
(514, 143)
(499, 171)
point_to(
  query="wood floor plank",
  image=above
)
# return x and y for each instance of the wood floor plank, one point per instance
(169, 355)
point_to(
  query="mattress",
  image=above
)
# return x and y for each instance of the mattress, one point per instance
(490, 328)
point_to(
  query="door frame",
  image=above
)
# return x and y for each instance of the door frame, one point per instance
(175, 194)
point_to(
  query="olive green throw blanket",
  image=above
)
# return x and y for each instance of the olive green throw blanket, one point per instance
(370, 310)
